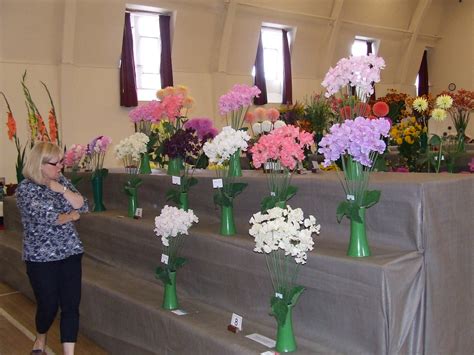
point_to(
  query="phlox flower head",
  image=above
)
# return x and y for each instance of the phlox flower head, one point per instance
(203, 126)
(172, 222)
(357, 138)
(226, 143)
(285, 144)
(238, 97)
(74, 155)
(285, 229)
(146, 112)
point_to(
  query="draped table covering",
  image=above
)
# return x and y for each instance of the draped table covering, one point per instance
(413, 296)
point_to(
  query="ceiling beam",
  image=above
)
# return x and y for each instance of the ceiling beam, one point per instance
(226, 36)
(334, 36)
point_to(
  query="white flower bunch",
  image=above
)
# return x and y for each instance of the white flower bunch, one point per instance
(173, 222)
(285, 229)
(226, 143)
(130, 148)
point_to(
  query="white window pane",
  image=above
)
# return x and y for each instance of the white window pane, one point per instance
(359, 48)
(146, 94)
(149, 55)
(272, 63)
(149, 26)
(150, 81)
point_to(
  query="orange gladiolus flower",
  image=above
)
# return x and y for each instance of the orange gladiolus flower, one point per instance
(11, 124)
(41, 127)
(53, 129)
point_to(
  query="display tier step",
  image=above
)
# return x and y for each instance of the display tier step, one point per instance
(123, 313)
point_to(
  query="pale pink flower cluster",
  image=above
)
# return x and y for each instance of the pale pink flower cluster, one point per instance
(74, 155)
(238, 97)
(173, 222)
(172, 101)
(360, 72)
(285, 144)
(358, 138)
(100, 144)
(146, 112)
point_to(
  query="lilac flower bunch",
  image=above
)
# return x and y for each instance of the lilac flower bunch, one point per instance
(359, 138)
(203, 127)
(145, 115)
(235, 101)
(359, 72)
(96, 150)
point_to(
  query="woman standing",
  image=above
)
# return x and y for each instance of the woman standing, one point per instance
(52, 250)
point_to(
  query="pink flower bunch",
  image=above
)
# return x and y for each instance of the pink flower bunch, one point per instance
(170, 107)
(360, 71)
(74, 155)
(146, 112)
(203, 127)
(238, 97)
(358, 138)
(285, 144)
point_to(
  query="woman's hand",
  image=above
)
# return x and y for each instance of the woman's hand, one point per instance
(68, 217)
(56, 186)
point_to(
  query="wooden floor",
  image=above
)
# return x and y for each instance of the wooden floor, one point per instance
(17, 328)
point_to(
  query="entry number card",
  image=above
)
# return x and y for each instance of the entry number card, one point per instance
(138, 212)
(176, 180)
(236, 321)
(259, 338)
(164, 259)
(350, 198)
(217, 183)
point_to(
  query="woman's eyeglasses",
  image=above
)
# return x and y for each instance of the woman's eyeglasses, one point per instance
(60, 162)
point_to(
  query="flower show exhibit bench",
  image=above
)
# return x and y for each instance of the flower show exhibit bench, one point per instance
(400, 300)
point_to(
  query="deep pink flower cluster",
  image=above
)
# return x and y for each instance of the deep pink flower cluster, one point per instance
(285, 144)
(358, 138)
(203, 127)
(239, 96)
(146, 112)
(74, 155)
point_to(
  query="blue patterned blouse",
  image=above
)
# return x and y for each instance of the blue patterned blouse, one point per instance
(43, 239)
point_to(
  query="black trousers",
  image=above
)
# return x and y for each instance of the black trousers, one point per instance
(57, 284)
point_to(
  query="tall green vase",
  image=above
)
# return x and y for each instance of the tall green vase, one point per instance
(132, 201)
(145, 164)
(170, 298)
(97, 191)
(358, 244)
(183, 201)
(175, 166)
(227, 221)
(235, 168)
(286, 341)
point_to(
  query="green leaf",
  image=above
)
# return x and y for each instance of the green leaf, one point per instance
(267, 203)
(290, 192)
(173, 195)
(342, 210)
(221, 199)
(179, 262)
(295, 294)
(371, 198)
(163, 275)
(349, 209)
(236, 188)
(279, 310)
(435, 140)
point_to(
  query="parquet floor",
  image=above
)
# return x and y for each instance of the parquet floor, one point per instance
(17, 329)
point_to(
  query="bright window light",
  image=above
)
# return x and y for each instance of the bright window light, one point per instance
(359, 48)
(147, 54)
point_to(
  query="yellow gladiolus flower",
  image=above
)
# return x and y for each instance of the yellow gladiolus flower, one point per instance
(399, 141)
(409, 140)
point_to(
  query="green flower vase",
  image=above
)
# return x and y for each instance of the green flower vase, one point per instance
(175, 166)
(358, 244)
(285, 340)
(170, 298)
(235, 168)
(132, 201)
(145, 164)
(97, 191)
(227, 221)
(183, 201)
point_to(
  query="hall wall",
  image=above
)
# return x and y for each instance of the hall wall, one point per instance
(74, 46)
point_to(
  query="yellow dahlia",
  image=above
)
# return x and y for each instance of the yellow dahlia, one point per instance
(420, 104)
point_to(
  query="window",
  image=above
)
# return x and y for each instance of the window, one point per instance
(147, 54)
(273, 62)
(359, 47)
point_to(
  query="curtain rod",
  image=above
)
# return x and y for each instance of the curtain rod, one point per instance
(147, 12)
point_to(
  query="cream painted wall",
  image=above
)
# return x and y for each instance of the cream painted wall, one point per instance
(74, 46)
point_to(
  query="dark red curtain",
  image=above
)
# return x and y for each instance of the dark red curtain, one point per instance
(259, 80)
(423, 86)
(369, 51)
(128, 85)
(166, 68)
(287, 97)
